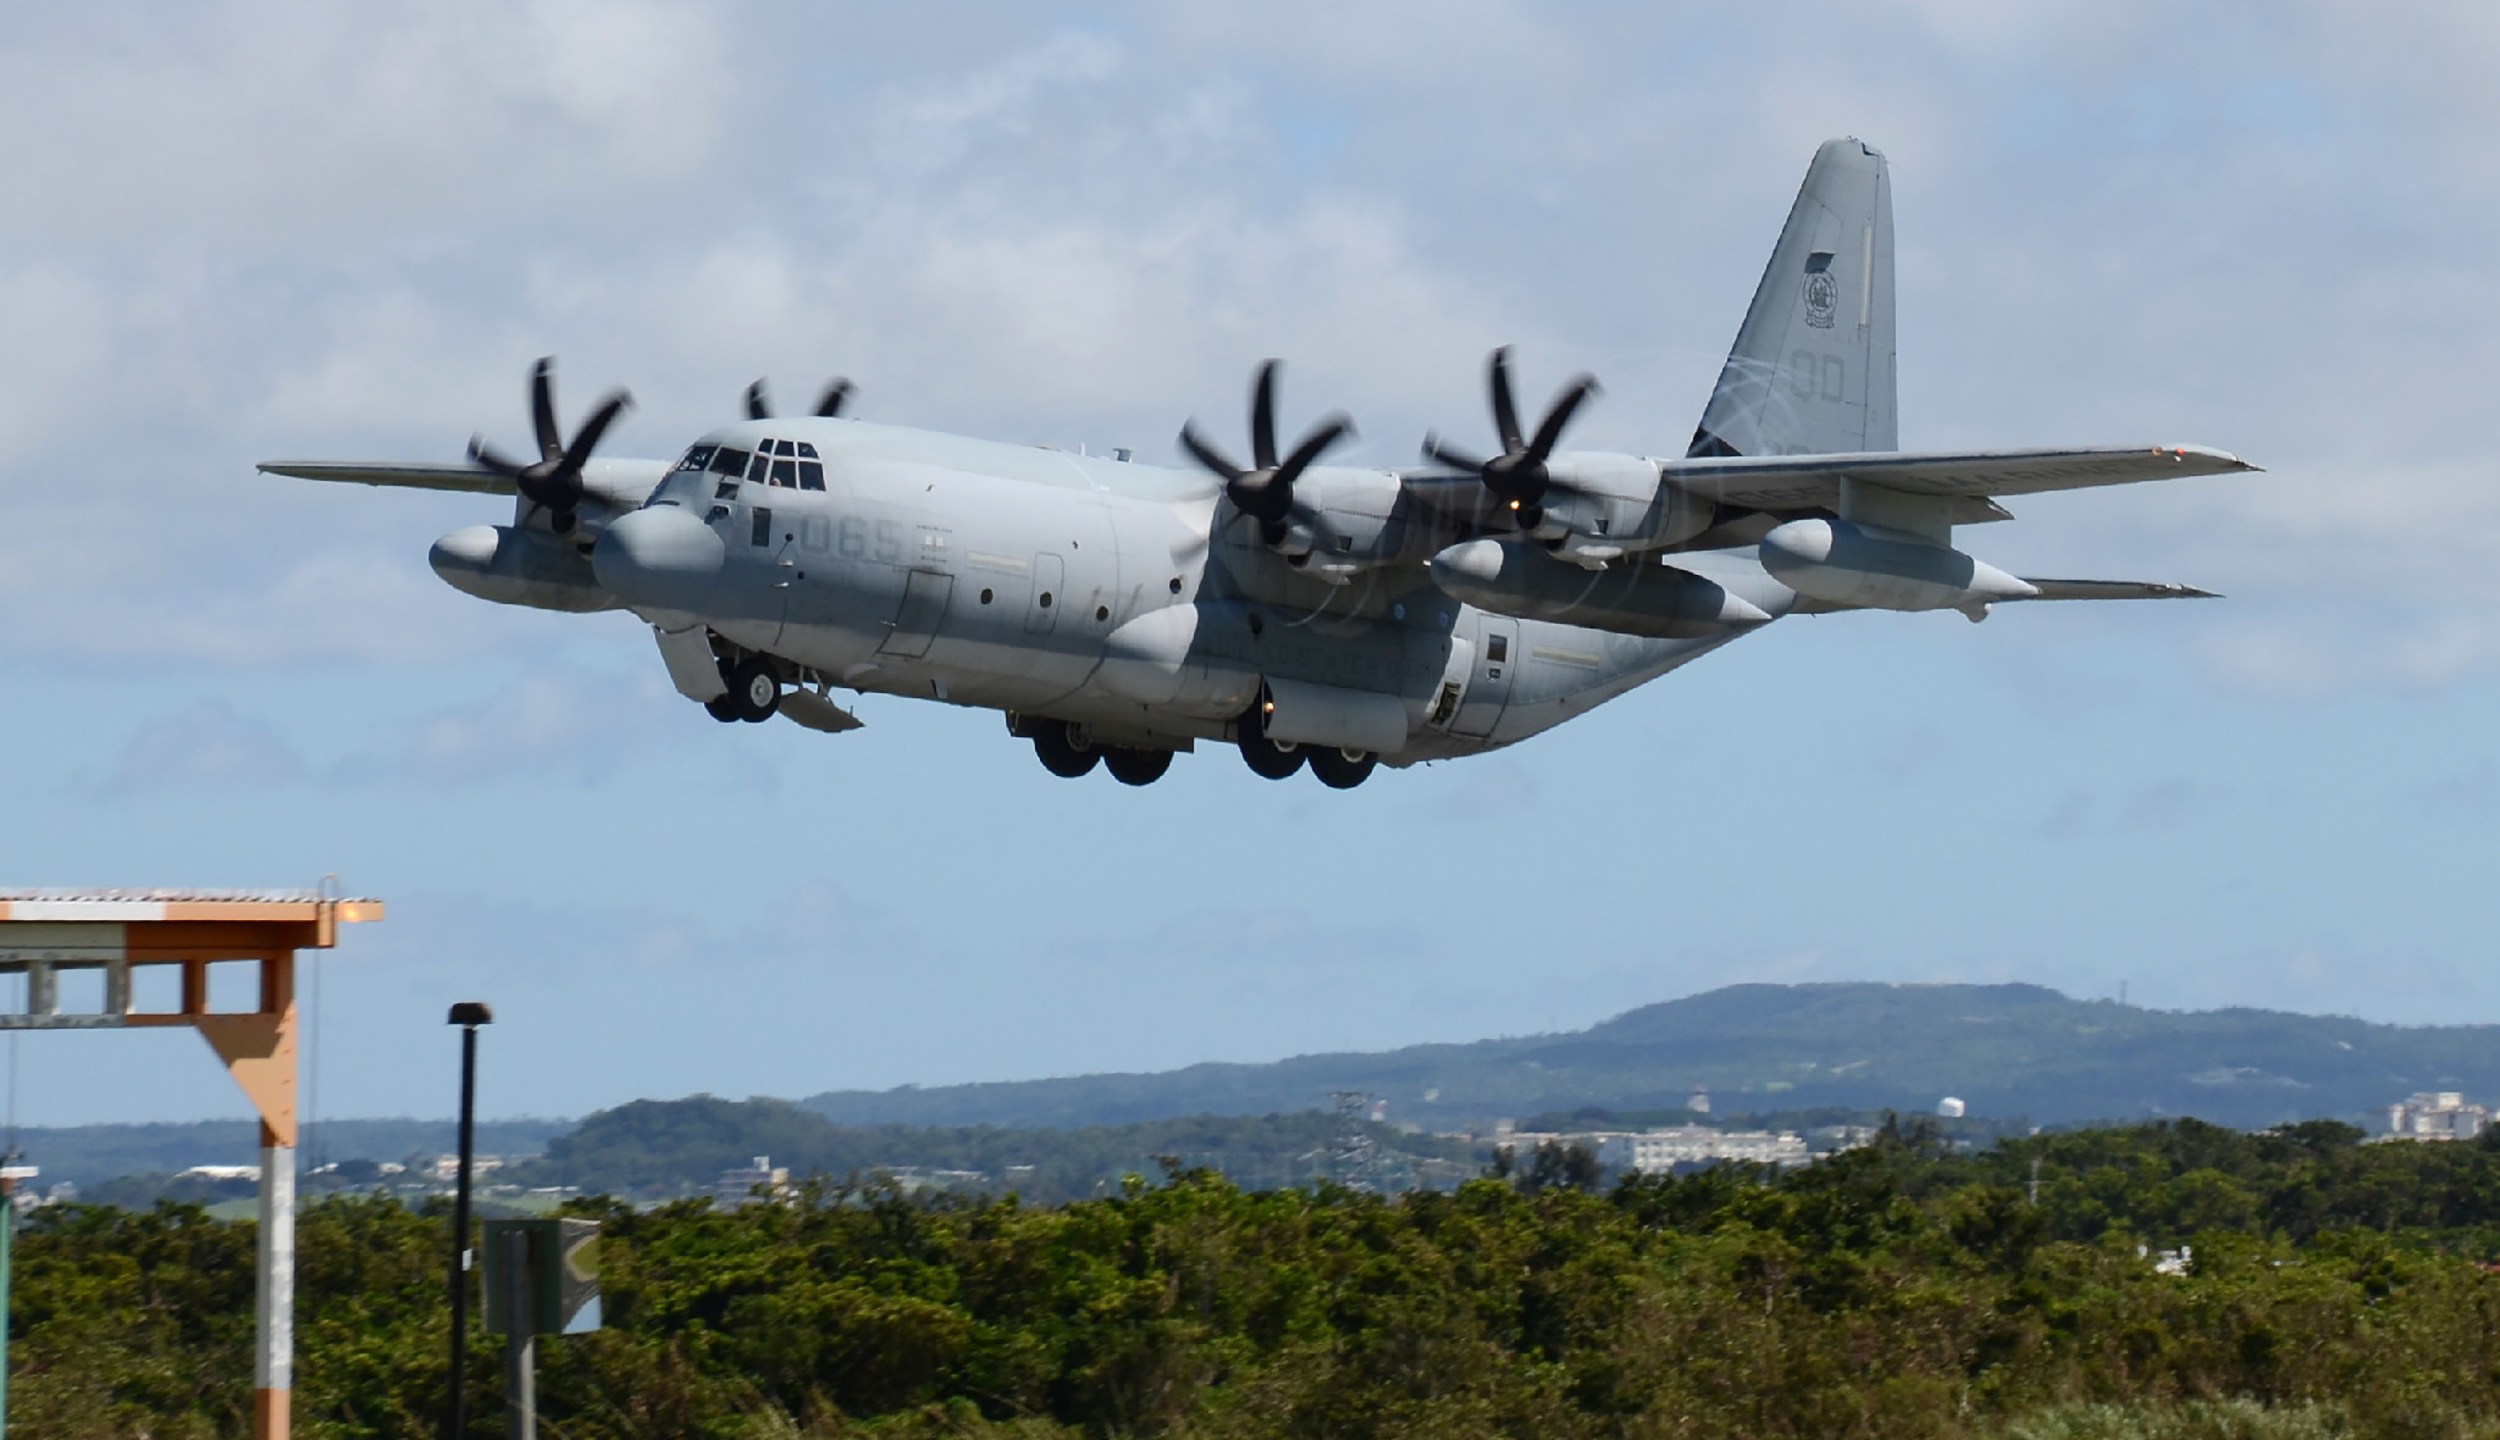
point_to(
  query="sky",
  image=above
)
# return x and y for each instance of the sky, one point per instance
(242, 230)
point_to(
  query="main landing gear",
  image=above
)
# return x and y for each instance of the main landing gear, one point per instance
(1278, 759)
(754, 692)
(1066, 751)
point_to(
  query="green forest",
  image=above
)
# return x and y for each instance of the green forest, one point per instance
(2173, 1279)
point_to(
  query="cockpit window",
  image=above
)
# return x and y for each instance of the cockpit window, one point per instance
(786, 472)
(697, 458)
(784, 447)
(726, 461)
(811, 472)
(760, 467)
(806, 451)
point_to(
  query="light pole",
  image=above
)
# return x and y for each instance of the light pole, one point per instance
(468, 1015)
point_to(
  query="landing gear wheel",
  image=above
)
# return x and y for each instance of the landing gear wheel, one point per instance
(1063, 750)
(1267, 758)
(1343, 769)
(1137, 767)
(722, 708)
(754, 690)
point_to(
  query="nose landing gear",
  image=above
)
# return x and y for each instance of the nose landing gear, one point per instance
(754, 692)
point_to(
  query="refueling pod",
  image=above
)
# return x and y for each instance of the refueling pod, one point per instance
(1856, 565)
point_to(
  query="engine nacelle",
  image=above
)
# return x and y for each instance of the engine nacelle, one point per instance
(1846, 564)
(1602, 504)
(512, 566)
(1518, 578)
(1346, 521)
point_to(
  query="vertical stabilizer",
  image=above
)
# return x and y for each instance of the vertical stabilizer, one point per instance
(1812, 369)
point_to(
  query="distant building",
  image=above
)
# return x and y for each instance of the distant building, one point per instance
(1698, 1102)
(1951, 1108)
(739, 1187)
(2437, 1115)
(1657, 1152)
(447, 1167)
(223, 1172)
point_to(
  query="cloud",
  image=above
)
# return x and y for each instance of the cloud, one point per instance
(210, 743)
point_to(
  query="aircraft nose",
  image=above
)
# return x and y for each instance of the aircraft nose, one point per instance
(659, 560)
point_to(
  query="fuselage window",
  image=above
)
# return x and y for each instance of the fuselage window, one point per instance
(732, 463)
(807, 451)
(761, 467)
(1497, 648)
(697, 458)
(725, 490)
(811, 474)
(763, 534)
(786, 473)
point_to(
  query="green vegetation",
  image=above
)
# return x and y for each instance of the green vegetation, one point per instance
(663, 1149)
(2007, 1049)
(1900, 1290)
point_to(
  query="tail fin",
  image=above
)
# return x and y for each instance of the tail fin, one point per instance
(1812, 369)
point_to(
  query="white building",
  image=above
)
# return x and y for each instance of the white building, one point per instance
(2437, 1115)
(1655, 1152)
(737, 1187)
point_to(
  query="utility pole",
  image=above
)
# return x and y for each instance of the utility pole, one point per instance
(468, 1015)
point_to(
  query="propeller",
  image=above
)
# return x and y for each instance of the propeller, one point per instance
(1518, 477)
(553, 482)
(1265, 491)
(829, 404)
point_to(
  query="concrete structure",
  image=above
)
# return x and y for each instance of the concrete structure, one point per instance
(2437, 1115)
(1656, 1152)
(116, 936)
(737, 1187)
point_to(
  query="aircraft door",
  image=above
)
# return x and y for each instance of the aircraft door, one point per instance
(1042, 611)
(1457, 669)
(925, 594)
(781, 546)
(1488, 685)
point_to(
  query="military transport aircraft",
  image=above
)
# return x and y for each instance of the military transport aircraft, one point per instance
(1118, 612)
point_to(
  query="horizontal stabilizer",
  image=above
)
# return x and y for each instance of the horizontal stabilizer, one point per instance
(1812, 482)
(2114, 590)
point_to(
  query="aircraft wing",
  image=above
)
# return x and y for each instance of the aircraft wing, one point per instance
(1812, 482)
(2114, 590)
(622, 483)
(461, 476)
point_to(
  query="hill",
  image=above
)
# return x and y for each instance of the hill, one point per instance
(659, 1149)
(2005, 1049)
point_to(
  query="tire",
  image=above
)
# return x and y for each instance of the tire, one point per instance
(722, 708)
(754, 690)
(1062, 749)
(1268, 759)
(1137, 767)
(1343, 769)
